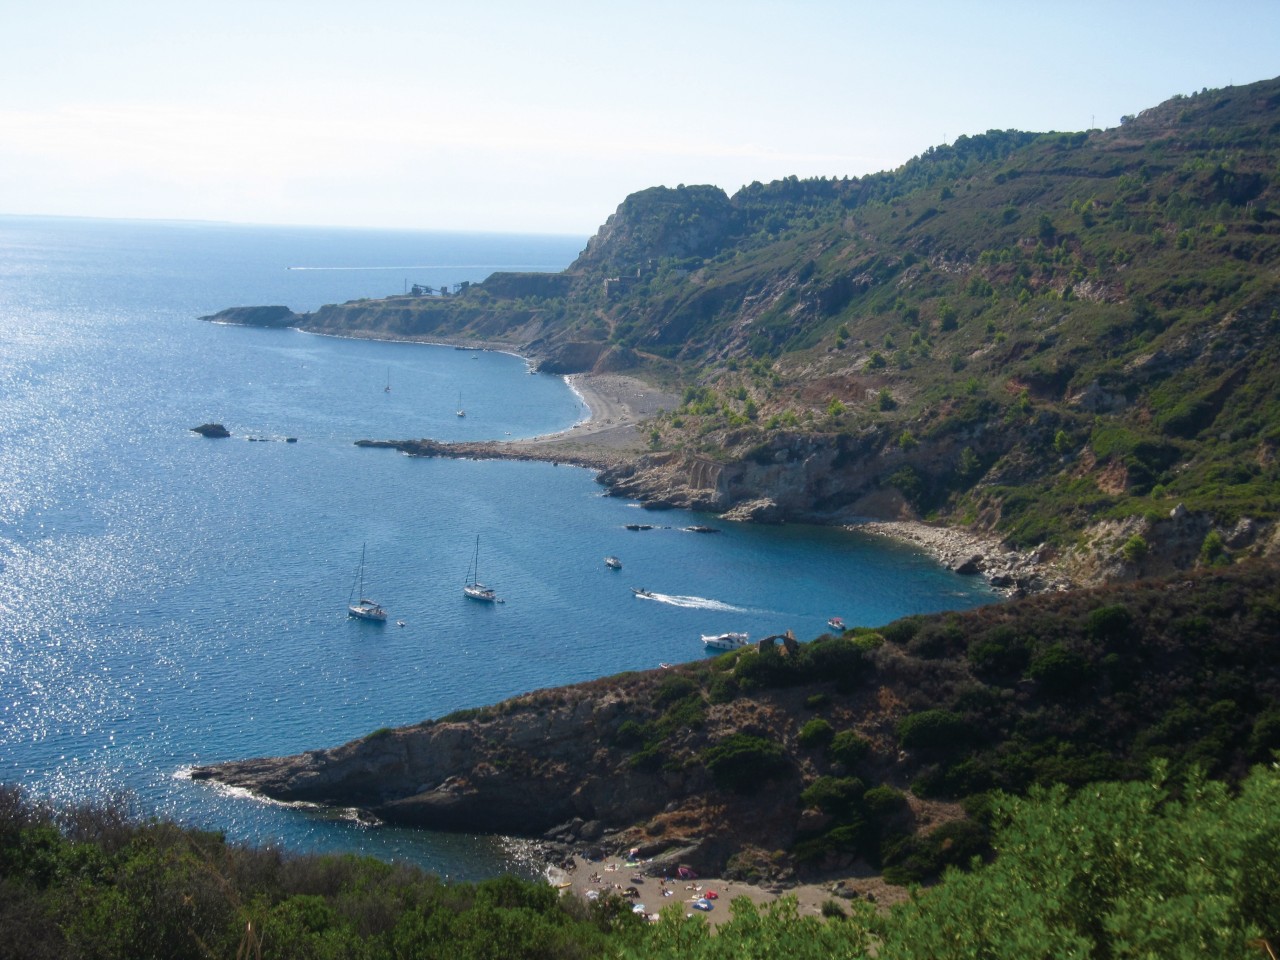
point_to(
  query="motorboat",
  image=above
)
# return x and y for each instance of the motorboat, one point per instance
(725, 641)
(642, 593)
(613, 563)
(836, 623)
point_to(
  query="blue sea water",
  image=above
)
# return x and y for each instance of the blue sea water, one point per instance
(168, 600)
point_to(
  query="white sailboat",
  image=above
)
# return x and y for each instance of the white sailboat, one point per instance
(473, 588)
(387, 388)
(364, 608)
(461, 412)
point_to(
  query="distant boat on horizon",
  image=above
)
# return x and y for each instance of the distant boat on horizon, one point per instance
(387, 388)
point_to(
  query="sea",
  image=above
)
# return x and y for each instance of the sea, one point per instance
(169, 600)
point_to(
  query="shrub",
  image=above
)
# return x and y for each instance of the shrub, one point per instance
(1134, 549)
(833, 910)
(723, 688)
(917, 858)
(884, 802)
(1000, 653)
(673, 688)
(1213, 551)
(848, 747)
(631, 733)
(1059, 670)
(1109, 623)
(932, 729)
(816, 733)
(838, 796)
(743, 762)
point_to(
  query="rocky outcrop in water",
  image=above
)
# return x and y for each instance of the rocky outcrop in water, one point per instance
(275, 316)
(214, 431)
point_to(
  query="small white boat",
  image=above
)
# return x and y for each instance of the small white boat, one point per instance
(835, 623)
(473, 588)
(642, 593)
(461, 412)
(364, 608)
(725, 641)
(613, 563)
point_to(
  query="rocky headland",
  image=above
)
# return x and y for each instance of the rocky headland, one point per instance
(570, 766)
(785, 762)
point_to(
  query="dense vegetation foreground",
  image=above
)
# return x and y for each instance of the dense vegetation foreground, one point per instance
(1140, 869)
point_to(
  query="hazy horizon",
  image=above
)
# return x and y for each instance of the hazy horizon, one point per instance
(501, 118)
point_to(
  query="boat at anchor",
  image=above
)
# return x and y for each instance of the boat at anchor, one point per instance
(725, 641)
(364, 608)
(473, 588)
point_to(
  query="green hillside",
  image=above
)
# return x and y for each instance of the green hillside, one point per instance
(1023, 333)
(1056, 326)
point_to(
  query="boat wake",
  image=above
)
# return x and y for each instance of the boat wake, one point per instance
(695, 603)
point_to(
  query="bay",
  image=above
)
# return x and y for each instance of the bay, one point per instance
(168, 600)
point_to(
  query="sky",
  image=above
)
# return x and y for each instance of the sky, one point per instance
(527, 117)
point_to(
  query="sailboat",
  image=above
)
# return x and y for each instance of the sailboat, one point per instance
(461, 412)
(387, 388)
(363, 608)
(473, 588)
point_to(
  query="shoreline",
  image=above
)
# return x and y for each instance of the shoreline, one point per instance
(966, 553)
(616, 405)
(609, 434)
(590, 879)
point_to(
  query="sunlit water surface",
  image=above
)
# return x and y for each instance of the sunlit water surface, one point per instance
(168, 600)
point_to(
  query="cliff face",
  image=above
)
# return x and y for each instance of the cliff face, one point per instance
(540, 761)
(836, 479)
(659, 223)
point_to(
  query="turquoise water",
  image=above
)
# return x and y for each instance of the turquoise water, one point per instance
(167, 600)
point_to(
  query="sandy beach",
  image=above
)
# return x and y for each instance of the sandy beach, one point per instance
(590, 879)
(617, 404)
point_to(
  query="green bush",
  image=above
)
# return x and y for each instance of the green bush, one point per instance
(921, 857)
(838, 796)
(674, 687)
(932, 730)
(1109, 624)
(742, 762)
(816, 733)
(1059, 671)
(849, 747)
(999, 653)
